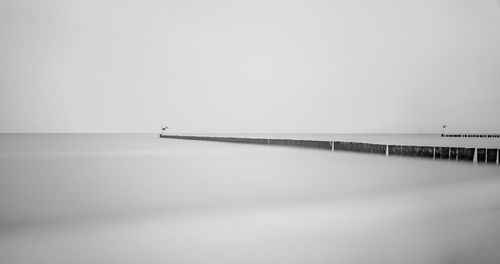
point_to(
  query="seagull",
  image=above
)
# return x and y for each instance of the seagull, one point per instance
(163, 129)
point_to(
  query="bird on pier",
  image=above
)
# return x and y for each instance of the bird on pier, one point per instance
(442, 130)
(163, 129)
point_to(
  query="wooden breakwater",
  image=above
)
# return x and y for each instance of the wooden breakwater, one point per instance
(479, 155)
(472, 135)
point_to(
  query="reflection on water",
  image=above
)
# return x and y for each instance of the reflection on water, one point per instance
(138, 198)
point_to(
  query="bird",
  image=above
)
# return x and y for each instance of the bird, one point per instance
(442, 130)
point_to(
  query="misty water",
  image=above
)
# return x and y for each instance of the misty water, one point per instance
(141, 199)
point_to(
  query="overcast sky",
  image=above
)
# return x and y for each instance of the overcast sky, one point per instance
(249, 66)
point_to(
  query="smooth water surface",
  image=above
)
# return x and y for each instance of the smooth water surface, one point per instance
(138, 198)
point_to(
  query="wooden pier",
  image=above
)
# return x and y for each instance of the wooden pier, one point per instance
(476, 155)
(472, 135)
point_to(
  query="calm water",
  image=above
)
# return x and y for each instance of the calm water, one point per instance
(139, 198)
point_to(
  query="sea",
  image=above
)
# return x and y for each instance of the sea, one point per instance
(138, 198)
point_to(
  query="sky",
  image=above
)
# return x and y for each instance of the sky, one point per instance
(260, 66)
